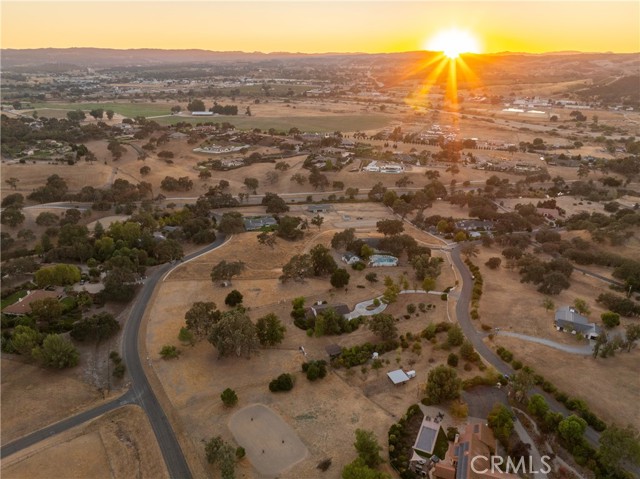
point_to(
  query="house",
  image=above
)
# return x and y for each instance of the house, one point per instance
(474, 225)
(428, 436)
(392, 169)
(548, 213)
(469, 456)
(255, 224)
(340, 308)
(232, 162)
(372, 167)
(23, 305)
(567, 318)
(318, 208)
(348, 144)
(177, 135)
(404, 158)
(350, 258)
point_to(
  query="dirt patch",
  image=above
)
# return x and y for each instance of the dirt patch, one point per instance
(119, 444)
(271, 444)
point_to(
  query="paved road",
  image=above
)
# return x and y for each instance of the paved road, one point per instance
(462, 314)
(140, 392)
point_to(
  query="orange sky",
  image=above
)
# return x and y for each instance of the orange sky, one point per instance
(321, 26)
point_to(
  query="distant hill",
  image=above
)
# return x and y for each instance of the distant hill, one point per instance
(104, 57)
(623, 90)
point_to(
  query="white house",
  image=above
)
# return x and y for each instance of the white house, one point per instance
(372, 167)
(392, 169)
(350, 258)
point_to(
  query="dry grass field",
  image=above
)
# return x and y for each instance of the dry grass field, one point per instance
(513, 306)
(118, 445)
(610, 386)
(34, 397)
(325, 414)
(342, 402)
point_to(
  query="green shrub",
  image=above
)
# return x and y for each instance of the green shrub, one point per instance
(240, 452)
(284, 382)
(505, 354)
(316, 369)
(169, 352)
(452, 360)
(229, 397)
(119, 370)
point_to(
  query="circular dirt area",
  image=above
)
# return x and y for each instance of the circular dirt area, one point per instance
(271, 444)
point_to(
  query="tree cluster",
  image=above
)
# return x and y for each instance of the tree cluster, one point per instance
(551, 277)
(169, 183)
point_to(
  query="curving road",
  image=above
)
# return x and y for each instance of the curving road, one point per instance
(462, 315)
(140, 392)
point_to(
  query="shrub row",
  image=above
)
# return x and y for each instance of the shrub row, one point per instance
(505, 354)
(573, 404)
(476, 293)
(400, 442)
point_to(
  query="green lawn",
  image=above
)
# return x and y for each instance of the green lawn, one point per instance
(129, 110)
(9, 300)
(442, 444)
(319, 124)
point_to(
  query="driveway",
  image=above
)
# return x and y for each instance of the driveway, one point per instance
(585, 350)
(360, 309)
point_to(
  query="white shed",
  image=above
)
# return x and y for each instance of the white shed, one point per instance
(398, 376)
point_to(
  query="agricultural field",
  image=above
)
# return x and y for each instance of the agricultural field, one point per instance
(128, 110)
(320, 124)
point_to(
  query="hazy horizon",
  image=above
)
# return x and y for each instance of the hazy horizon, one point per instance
(313, 27)
(257, 52)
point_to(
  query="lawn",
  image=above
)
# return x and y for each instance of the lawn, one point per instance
(126, 109)
(9, 300)
(442, 444)
(320, 124)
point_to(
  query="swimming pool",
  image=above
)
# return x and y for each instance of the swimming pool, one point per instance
(383, 260)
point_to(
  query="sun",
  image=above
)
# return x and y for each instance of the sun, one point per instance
(453, 42)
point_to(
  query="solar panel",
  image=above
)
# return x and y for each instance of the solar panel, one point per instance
(463, 461)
